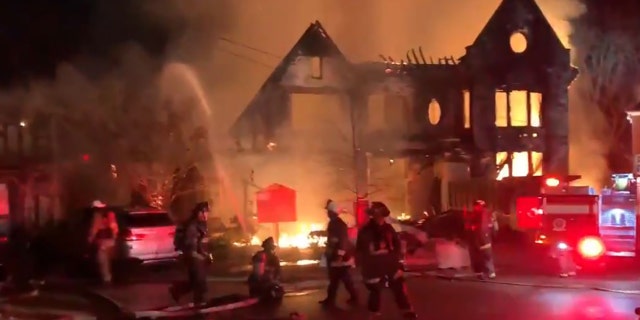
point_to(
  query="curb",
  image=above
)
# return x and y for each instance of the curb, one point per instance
(46, 312)
(103, 303)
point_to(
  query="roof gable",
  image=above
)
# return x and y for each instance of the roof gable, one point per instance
(315, 41)
(514, 16)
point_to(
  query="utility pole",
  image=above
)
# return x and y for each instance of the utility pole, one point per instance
(55, 172)
(360, 158)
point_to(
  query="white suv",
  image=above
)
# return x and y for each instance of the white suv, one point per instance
(148, 235)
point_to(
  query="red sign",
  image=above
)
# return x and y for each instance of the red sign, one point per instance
(528, 212)
(276, 203)
(4, 200)
(360, 207)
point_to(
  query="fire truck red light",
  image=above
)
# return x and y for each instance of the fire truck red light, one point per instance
(85, 157)
(552, 182)
(562, 246)
(591, 247)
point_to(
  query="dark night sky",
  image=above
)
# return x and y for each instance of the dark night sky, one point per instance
(36, 35)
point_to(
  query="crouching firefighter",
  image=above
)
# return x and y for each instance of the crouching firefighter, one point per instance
(379, 256)
(188, 240)
(264, 279)
(339, 255)
(479, 225)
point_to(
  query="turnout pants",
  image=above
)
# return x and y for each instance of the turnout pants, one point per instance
(481, 258)
(264, 288)
(397, 286)
(104, 257)
(566, 261)
(337, 275)
(196, 282)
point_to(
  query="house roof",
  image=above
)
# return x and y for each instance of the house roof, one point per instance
(315, 41)
(516, 14)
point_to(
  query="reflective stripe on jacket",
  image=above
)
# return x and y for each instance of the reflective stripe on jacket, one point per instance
(339, 250)
(379, 250)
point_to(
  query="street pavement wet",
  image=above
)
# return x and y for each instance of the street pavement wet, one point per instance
(433, 299)
(466, 300)
(525, 289)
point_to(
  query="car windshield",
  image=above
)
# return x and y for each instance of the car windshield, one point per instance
(148, 220)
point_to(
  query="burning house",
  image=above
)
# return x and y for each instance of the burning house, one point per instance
(412, 131)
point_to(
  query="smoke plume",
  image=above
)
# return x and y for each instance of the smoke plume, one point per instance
(233, 46)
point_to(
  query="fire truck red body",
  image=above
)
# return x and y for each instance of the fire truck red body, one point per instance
(563, 217)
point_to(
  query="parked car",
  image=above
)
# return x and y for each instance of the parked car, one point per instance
(147, 235)
(447, 225)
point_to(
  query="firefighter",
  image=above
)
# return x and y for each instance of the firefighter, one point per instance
(479, 226)
(566, 263)
(264, 279)
(339, 255)
(103, 233)
(563, 248)
(379, 256)
(188, 240)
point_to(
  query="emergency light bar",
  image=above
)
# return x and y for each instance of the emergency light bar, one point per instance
(552, 182)
(556, 184)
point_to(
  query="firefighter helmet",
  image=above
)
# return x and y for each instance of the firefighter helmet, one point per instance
(269, 243)
(378, 207)
(331, 206)
(98, 204)
(480, 203)
(201, 206)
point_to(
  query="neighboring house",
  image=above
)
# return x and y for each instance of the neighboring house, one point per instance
(499, 111)
(27, 193)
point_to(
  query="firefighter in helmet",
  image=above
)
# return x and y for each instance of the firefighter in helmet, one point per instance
(563, 245)
(103, 233)
(264, 279)
(188, 239)
(380, 258)
(479, 225)
(339, 255)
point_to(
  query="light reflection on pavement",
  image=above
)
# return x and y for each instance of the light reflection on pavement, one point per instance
(433, 299)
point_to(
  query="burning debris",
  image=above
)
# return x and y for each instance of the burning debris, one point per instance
(311, 235)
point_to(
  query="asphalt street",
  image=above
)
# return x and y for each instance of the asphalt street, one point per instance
(525, 289)
(512, 295)
(433, 298)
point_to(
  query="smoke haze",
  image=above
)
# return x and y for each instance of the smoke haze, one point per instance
(231, 74)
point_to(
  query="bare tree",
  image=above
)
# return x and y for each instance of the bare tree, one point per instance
(607, 52)
(124, 127)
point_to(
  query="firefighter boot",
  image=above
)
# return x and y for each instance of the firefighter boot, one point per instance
(567, 265)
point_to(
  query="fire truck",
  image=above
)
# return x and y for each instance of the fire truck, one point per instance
(575, 217)
(563, 217)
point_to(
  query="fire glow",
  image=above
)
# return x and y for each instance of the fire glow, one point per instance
(302, 239)
(518, 109)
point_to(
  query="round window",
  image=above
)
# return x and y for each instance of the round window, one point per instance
(518, 42)
(434, 112)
